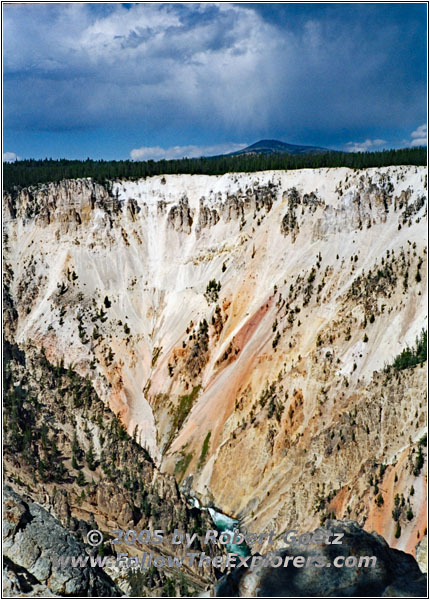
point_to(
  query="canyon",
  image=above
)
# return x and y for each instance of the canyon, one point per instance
(243, 330)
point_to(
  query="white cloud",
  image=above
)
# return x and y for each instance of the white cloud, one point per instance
(158, 63)
(158, 153)
(10, 157)
(419, 136)
(365, 146)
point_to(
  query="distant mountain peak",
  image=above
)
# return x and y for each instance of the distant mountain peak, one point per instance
(278, 147)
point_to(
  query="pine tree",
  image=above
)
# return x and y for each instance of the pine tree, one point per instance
(80, 479)
(90, 459)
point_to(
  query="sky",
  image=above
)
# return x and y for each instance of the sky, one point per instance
(160, 80)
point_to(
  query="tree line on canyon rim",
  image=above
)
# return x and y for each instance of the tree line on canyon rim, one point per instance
(24, 173)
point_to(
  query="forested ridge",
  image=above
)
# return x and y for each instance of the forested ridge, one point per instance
(24, 173)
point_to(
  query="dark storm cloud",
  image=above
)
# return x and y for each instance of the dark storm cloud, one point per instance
(218, 67)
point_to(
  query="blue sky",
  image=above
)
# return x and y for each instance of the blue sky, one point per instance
(141, 81)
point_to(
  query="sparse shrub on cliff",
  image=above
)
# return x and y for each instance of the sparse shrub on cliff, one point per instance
(205, 449)
(82, 334)
(109, 357)
(90, 459)
(411, 357)
(118, 429)
(169, 588)
(398, 531)
(145, 505)
(418, 273)
(379, 500)
(419, 462)
(311, 277)
(198, 355)
(185, 405)
(80, 479)
(183, 464)
(275, 408)
(319, 503)
(397, 510)
(155, 352)
(102, 315)
(212, 291)
(62, 289)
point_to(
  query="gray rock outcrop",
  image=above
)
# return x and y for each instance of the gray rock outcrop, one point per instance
(395, 573)
(421, 554)
(31, 539)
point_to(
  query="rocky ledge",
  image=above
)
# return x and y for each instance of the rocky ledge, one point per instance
(395, 573)
(31, 538)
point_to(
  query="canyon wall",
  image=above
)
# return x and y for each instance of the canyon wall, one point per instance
(241, 327)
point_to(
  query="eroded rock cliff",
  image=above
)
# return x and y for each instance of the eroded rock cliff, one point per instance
(240, 327)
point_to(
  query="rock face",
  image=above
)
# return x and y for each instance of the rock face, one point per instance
(240, 327)
(88, 473)
(17, 581)
(421, 554)
(32, 538)
(394, 573)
